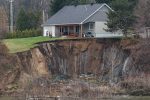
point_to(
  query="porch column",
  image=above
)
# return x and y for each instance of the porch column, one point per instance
(148, 32)
(74, 28)
(81, 31)
(61, 30)
(68, 30)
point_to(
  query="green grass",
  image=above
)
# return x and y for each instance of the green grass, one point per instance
(24, 44)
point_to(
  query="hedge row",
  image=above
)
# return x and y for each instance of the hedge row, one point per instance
(25, 33)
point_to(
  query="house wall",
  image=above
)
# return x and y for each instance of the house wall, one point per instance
(145, 32)
(47, 30)
(99, 19)
(100, 30)
(57, 32)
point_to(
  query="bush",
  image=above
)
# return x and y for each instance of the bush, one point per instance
(3, 49)
(25, 34)
(137, 85)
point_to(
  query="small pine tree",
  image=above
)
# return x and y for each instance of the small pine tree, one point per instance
(122, 17)
(56, 5)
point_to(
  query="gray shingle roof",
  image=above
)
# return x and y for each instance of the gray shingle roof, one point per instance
(99, 16)
(72, 14)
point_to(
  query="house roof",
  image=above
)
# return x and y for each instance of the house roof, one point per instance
(74, 14)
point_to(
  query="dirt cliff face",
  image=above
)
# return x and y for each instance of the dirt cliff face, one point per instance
(33, 62)
(9, 68)
(124, 63)
(104, 58)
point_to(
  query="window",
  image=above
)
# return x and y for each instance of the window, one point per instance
(91, 26)
(77, 29)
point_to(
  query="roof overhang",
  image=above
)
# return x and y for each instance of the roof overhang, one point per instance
(65, 24)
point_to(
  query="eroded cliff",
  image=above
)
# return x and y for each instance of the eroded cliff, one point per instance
(111, 61)
(76, 57)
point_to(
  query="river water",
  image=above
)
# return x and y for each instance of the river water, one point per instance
(114, 98)
(132, 98)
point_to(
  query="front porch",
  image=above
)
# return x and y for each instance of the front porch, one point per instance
(70, 30)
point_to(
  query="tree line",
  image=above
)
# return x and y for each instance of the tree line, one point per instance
(56, 5)
(28, 20)
(127, 15)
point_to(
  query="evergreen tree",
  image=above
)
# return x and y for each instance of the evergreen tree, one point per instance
(122, 17)
(34, 20)
(56, 5)
(28, 20)
(83, 1)
(22, 20)
(103, 1)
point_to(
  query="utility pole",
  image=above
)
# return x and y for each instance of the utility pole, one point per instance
(11, 16)
(43, 16)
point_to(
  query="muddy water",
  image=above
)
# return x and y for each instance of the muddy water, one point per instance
(132, 98)
(114, 98)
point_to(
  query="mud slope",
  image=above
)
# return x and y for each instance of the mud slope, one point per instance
(108, 59)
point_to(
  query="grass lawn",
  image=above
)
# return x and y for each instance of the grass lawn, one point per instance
(23, 44)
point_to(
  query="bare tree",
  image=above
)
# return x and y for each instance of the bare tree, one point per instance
(142, 12)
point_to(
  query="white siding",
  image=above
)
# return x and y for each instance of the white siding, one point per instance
(49, 29)
(57, 31)
(100, 30)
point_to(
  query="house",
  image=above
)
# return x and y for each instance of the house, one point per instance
(144, 32)
(75, 20)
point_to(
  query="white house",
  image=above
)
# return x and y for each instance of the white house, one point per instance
(77, 20)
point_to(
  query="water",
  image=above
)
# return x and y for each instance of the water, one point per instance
(114, 98)
(132, 98)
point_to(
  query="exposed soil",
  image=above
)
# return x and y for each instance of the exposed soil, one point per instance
(78, 67)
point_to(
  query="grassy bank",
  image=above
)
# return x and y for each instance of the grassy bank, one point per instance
(23, 44)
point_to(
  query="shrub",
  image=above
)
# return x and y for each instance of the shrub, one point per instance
(25, 33)
(3, 49)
